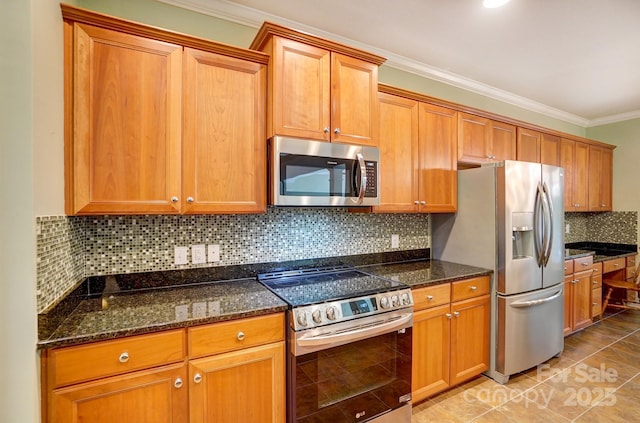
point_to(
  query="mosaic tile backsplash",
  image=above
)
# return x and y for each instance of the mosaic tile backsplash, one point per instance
(103, 245)
(611, 227)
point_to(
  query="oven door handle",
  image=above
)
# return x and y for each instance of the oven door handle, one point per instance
(373, 329)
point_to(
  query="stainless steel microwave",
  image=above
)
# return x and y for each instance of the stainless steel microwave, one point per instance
(317, 173)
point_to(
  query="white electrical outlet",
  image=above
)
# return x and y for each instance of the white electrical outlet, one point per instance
(199, 310)
(214, 253)
(182, 312)
(567, 228)
(180, 255)
(198, 254)
(395, 241)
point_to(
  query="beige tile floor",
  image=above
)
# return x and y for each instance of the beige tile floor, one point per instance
(596, 379)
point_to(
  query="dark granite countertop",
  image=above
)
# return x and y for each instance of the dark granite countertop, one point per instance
(111, 307)
(115, 315)
(421, 273)
(601, 251)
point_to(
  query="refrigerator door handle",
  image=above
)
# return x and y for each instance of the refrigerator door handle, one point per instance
(524, 304)
(538, 235)
(549, 226)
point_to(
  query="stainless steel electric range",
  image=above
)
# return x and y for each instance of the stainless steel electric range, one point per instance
(349, 345)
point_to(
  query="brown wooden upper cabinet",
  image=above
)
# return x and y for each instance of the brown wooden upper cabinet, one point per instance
(600, 178)
(482, 140)
(319, 89)
(153, 125)
(418, 160)
(537, 147)
(574, 158)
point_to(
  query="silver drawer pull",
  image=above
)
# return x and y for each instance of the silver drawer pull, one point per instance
(124, 357)
(240, 336)
(456, 313)
(448, 315)
(429, 297)
(178, 383)
(473, 287)
(197, 378)
(584, 264)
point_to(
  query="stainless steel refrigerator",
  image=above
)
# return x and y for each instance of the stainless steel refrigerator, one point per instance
(510, 219)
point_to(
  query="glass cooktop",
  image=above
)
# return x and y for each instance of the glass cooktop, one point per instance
(311, 286)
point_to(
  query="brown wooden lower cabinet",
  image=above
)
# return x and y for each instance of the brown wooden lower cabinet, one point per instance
(578, 306)
(450, 341)
(235, 373)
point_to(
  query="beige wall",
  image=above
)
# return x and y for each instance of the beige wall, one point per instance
(626, 156)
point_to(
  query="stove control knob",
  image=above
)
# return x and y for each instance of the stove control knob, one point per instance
(331, 313)
(384, 302)
(317, 316)
(394, 301)
(404, 298)
(302, 318)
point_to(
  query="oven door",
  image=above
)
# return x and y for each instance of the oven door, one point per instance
(352, 372)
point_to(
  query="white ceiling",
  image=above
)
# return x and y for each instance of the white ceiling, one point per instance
(577, 60)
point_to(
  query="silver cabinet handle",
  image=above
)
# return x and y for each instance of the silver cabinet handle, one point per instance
(197, 378)
(240, 336)
(124, 357)
(586, 264)
(429, 297)
(456, 313)
(326, 129)
(423, 202)
(473, 287)
(448, 315)
(178, 383)
(189, 199)
(336, 131)
(416, 202)
(174, 199)
(616, 264)
(595, 282)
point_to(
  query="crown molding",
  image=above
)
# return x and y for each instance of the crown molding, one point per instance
(254, 18)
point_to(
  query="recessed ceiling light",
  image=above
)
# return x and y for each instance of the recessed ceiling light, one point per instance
(491, 4)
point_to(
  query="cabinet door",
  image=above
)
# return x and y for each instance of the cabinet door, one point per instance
(149, 396)
(606, 179)
(431, 340)
(474, 138)
(550, 150)
(398, 154)
(300, 90)
(469, 338)
(594, 177)
(438, 162)
(123, 154)
(224, 141)
(581, 300)
(241, 386)
(574, 158)
(503, 141)
(354, 100)
(528, 144)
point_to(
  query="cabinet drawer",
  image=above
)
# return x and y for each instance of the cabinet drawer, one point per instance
(431, 296)
(597, 269)
(568, 267)
(596, 302)
(596, 281)
(613, 265)
(469, 288)
(107, 358)
(236, 334)
(631, 261)
(582, 263)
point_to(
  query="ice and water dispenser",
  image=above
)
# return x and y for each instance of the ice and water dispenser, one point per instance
(522, 235)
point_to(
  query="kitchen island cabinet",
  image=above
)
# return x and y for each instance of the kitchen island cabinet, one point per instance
(159, 122)
(418, 156)
(319, 89)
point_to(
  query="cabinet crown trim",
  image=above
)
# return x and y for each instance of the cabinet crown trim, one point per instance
(80, 15)
(270, 29)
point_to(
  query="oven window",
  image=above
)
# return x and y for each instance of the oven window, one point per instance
(353, 382)
(316, 176)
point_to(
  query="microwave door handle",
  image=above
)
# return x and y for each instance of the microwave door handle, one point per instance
(363, 179)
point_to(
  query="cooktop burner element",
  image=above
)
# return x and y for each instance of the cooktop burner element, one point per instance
(320, 297)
